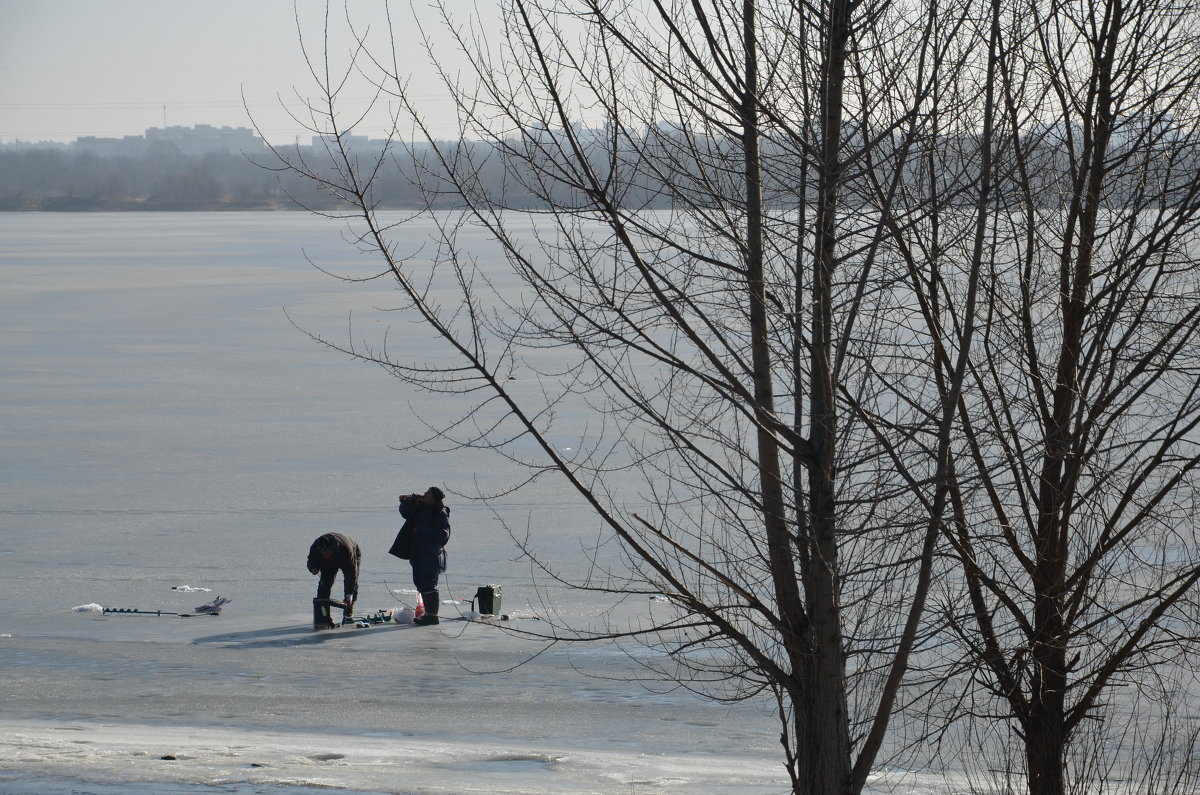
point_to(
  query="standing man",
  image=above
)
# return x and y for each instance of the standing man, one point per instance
(422, 541)
(329, 554)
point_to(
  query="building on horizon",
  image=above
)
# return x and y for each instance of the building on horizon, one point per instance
(200, 140)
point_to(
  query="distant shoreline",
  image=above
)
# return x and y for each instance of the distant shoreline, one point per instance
(83, 206)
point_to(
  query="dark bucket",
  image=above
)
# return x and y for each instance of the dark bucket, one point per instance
(322, 613)
(487, 600)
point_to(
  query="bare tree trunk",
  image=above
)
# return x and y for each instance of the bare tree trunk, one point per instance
(828, 743)
(1045, 749)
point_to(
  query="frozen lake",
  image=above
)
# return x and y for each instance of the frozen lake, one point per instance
(169, 436)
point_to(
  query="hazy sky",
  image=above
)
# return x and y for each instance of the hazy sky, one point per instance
(115, 67)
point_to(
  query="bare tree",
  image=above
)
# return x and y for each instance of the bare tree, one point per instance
(1074, 498)
(831, 282)
(706, 209)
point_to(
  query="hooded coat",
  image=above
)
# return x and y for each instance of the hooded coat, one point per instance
(422, 541)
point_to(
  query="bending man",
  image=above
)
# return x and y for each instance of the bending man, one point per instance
(329, 554)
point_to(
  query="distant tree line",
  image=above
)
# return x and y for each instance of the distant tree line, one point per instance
(51, 180)
(165, 179)
(68, 181)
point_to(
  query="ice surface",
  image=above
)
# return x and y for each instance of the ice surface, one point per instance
(169, 431)
(97, 759)
(270, 761)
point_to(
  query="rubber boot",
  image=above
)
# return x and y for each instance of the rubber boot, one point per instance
(432, 603)
(348, 610)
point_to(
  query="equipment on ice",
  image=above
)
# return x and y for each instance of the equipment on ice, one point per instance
(323, 618)
(212, 608)
(487, 600)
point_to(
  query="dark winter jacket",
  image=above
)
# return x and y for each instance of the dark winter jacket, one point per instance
(423, 537)
(346, 557)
